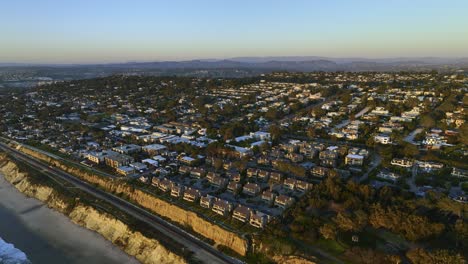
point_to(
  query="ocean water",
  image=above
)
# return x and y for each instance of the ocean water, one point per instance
(32, 233)
(11, 255)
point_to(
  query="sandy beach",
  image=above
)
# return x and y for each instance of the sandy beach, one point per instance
(47, 236)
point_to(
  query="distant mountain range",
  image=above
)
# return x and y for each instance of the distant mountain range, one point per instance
(307, 64)
(291, 63)
(20, 74)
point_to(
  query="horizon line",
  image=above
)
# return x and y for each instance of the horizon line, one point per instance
(318, 57)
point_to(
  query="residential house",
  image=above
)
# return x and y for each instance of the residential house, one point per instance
(177, 191)
(197, 172)
(290, 183)
(222, 207)
(251, 172)
(242, 213)
(456, 172)
(383, 139)
(154, 149)
(206, 201)
(234, 187)
(320, 171)
(258, 219)
(429, 165)
(165, 185)
(388, 175)
(303, 185)
(127, 149)
(328, 163)
(184, 169)
(251, 189)
(354, 160)
(191, 195)
(295, 157)
(118, 160)
(284, 201)
(188, 160)
(138, 166)
(216, 180)
(263, 175)
(98, 157)
(276, 176)
(268, 196)
(234, 176)
(405, 163)
(125, 170)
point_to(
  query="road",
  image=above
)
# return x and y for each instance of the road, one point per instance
(376, 160)
(410, 137)
(412, 181)
(202, 251)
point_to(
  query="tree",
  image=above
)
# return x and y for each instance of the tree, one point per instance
(348, 222)
(328, 231)
(421, 256)
(272, 114)
(410, 150)
(276, 132)
(311, 132)
(464, 133)
(427, 121)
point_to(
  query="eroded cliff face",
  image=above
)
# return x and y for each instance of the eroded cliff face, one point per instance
(179, 215)
(134, 243)
(145, 249)
(291, 260)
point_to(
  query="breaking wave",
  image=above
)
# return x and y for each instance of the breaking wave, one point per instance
(11, 255)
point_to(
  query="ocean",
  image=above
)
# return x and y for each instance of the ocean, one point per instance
(32, 233)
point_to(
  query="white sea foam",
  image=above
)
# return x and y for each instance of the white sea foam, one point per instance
(11, 255)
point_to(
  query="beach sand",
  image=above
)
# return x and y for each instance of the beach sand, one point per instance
(47, 236)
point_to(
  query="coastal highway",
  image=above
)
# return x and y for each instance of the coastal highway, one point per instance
(201, 250)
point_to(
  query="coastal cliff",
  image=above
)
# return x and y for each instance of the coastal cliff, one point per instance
(158, 206)
(145, 249)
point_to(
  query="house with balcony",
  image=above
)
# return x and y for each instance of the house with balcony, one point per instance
(207, 201)
(289, 184)
(165, 185)
(98, 157)
(234, 176)
(125, 171)
(191, 195)
(252, 172)
(234, 187)
(268, 196)
(276, 176)
(258, 219)
(197, 172)
(456, 172)
(284, 201)
(222, 207)
(118, 160)
(217, 180)
(251, 189)
(184, 169)
(383, 139)
(354, 160)
(177, 190)
(319, 171)
(404, 163)
(303, 185)
(242, 213)
(263, 175)
(387, 175)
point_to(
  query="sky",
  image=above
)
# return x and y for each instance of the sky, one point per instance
(102, 31)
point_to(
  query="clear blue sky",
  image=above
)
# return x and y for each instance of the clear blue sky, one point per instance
(80, 31)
